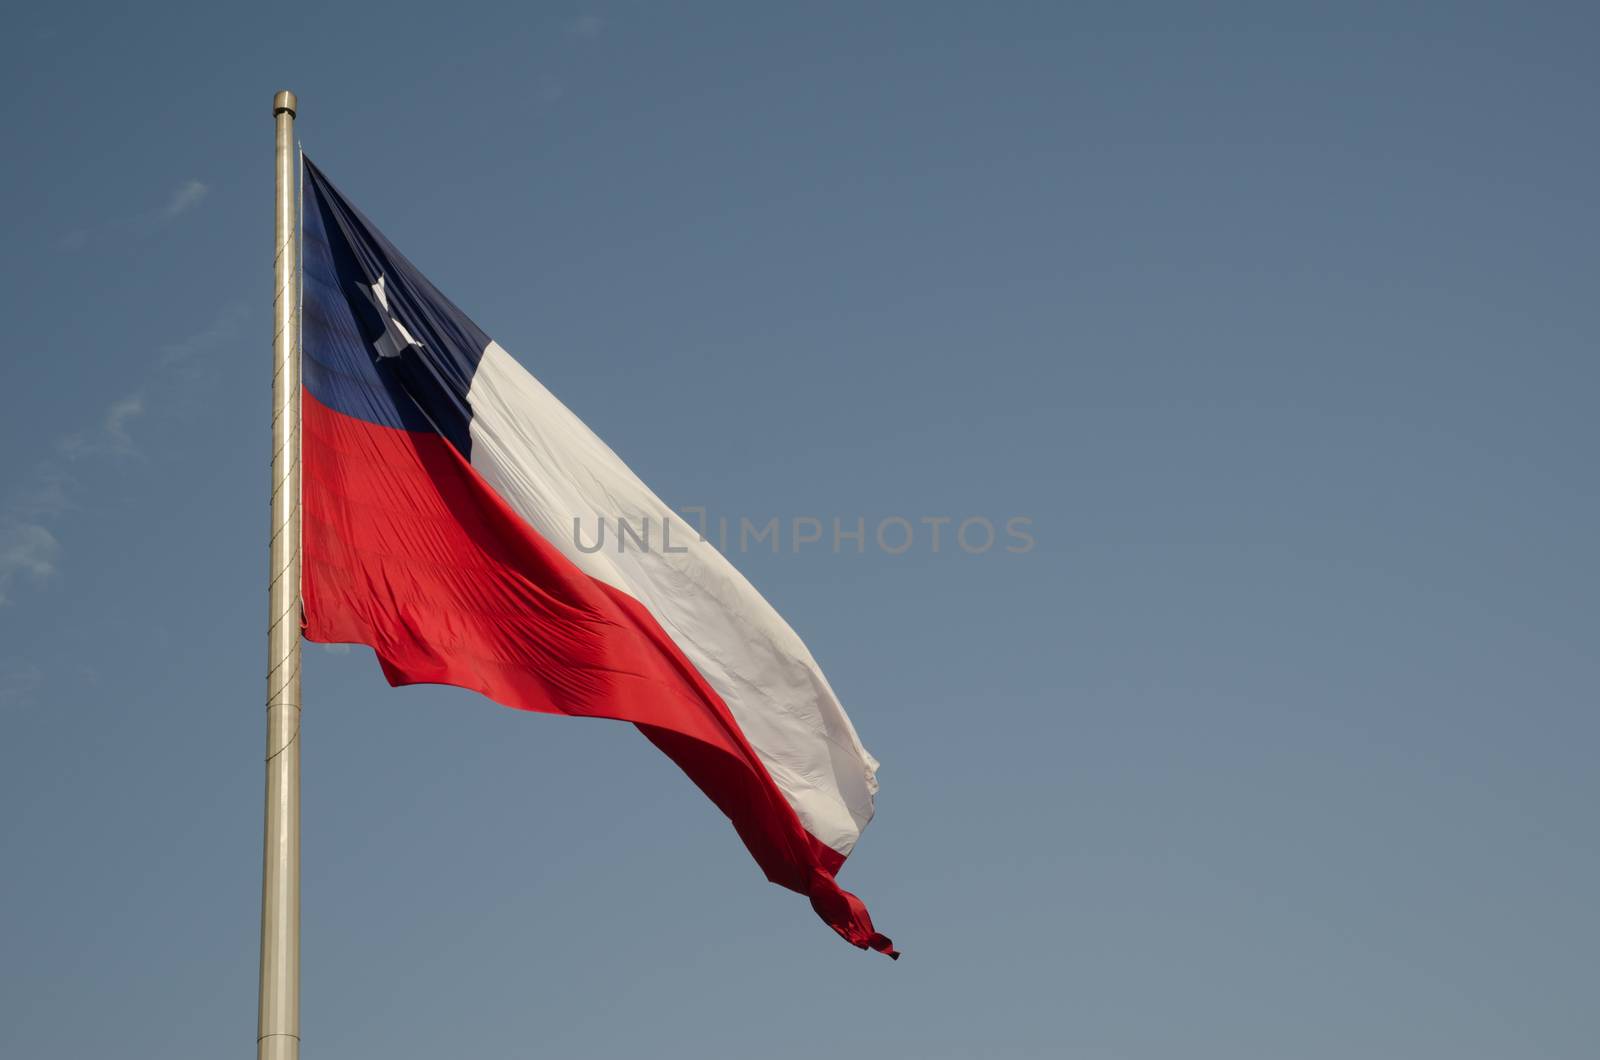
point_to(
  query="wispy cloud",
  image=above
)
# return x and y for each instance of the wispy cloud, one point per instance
(111, 437)
(17, 680)
(185, 197)
(587, 25)
(29, 548)
(223, 330)
(115, 425)
(188, 195)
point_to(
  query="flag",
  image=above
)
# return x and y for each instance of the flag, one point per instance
(444, 489)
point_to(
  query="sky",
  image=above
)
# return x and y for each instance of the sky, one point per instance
(1274, 324)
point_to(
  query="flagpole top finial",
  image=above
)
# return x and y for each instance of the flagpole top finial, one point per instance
(284, 101)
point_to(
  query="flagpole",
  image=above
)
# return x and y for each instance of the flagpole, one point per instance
(278, 1026)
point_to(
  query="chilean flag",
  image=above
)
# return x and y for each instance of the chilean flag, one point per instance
(443, 485)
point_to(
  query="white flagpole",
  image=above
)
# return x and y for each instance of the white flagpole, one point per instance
(278, 1026)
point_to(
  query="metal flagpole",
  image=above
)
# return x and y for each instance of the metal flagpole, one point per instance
(278, 1027)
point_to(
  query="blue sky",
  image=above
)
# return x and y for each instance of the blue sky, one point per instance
(1277, 325)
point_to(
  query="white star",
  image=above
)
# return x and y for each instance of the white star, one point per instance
(395, 339)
